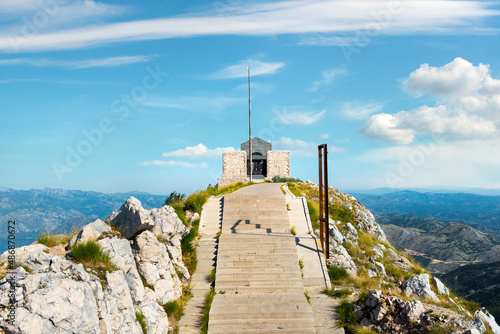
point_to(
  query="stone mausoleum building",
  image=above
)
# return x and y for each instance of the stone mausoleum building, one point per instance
(266, 163)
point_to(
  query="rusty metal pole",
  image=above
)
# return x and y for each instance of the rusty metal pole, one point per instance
(320, 190)
(327, 223)
(249, 126)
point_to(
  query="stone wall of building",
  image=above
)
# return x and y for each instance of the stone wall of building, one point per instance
(278, 164)
(234, 168)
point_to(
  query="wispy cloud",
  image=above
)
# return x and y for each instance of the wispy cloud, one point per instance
(360, 111)
(18, 80)
(199, 151)
(77, 64)
(302, 148)
(239, 70)
(327, 77)
(288, 117)
(173, 163)
(206, 104)
(270, 19)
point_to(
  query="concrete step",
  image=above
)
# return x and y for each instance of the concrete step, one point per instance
(262, 270)
(264, 314)
(230, 289)
(306, 325)
(256, 276)
(252, 263)
(259, 299)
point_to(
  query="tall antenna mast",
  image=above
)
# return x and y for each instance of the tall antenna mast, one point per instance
(250, 125)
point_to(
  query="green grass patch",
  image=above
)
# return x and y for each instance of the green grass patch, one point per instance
(209, 298)
(142, 321)
(313, 209)
(306, 293)
(188, 248)
(339, 211)
(90, 253)
(346, 314)
(340, 293)
(337, 273)
(280, 179)
(51, 240)
(196, 200)
(294, 188)
(174, 309)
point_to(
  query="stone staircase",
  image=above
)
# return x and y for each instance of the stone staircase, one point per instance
(258, 280)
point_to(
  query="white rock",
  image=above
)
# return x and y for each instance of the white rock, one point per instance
(419, 285)
(378, 252)
(485, 316)
(89, 232)
(120, 254)
(441, 288)
(335, 233)
(341, 258)
(413, 309)
(119, 305)
(156, 317)
(132, 219)
(23, 252)
(38, 259)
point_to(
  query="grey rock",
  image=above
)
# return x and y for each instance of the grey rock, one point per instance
(23, 252)
(351, 233)
(380, 269)
(156, 317)
(441, 288)
(372, 272)
(120, 254)
(378, 313)
(120, 312)
(485, 316)
(378, 252)
(413, 310)
(341, 258)
(167, 223)
(478, 325)
(419, 285)
(89, 232)
(38, 259)
(335, 233)
(157, 268)
(399, 261)
(132, 219)
(69, 269)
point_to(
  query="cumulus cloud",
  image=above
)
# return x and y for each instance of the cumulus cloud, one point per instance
(199, 151)
(239, 70)
(467, 108)
(359, 111)
(173, 163)
(287, 117)
(327, 77)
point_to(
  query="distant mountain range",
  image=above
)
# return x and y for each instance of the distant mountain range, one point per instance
(439, 246)
(478, 211)
(61, 211)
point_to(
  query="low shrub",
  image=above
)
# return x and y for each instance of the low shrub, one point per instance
(142, 321)
(51, 240)
(337, 273)
(346, 314)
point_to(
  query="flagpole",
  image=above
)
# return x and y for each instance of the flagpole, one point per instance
(250, 125)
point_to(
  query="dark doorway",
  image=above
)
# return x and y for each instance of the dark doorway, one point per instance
(259, 167)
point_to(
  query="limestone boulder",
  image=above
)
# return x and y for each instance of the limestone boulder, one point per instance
(335, 233)
(341, 258)
(38, 260)
(119, 315)
(23, 252)
(486, 317)
(157, 268)
(120, 253)
(132, 219)
(419, 285)
(90, 231)
(399, 261)
(156, 317)
(441, 288)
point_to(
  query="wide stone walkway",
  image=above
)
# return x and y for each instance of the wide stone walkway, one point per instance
(258, 279)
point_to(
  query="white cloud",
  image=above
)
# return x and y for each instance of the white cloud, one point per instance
(199, 151)
(239, 70)
(173, 163)
(206, 104)
(18, 80)
(302, 148)
(359, 111)
(325, 136)
(299, 117)
(327, 77)
(456, 78)
(469, 100)
(77, 64)
(270, 19)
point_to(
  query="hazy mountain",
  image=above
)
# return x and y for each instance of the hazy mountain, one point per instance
(478, 211)
(60, 211)
(440, 246)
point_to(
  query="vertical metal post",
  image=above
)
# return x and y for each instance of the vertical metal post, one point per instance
(320, 159)
(323, 199)
(249, 126)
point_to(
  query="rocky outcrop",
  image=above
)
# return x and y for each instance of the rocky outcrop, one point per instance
(23, 252)
(340, 257)
(157, 268)
(485, 316)
(132, 218)
(91, 231)
(441, 288)
(419, 285)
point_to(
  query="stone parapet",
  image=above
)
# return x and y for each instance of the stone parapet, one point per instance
(227, 181)
(234, 168)
(278, 164)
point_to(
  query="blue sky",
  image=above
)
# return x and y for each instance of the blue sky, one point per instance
(116, 96)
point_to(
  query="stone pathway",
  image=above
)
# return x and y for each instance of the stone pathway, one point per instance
(258, 280)
(210, 221)
(315, 275)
